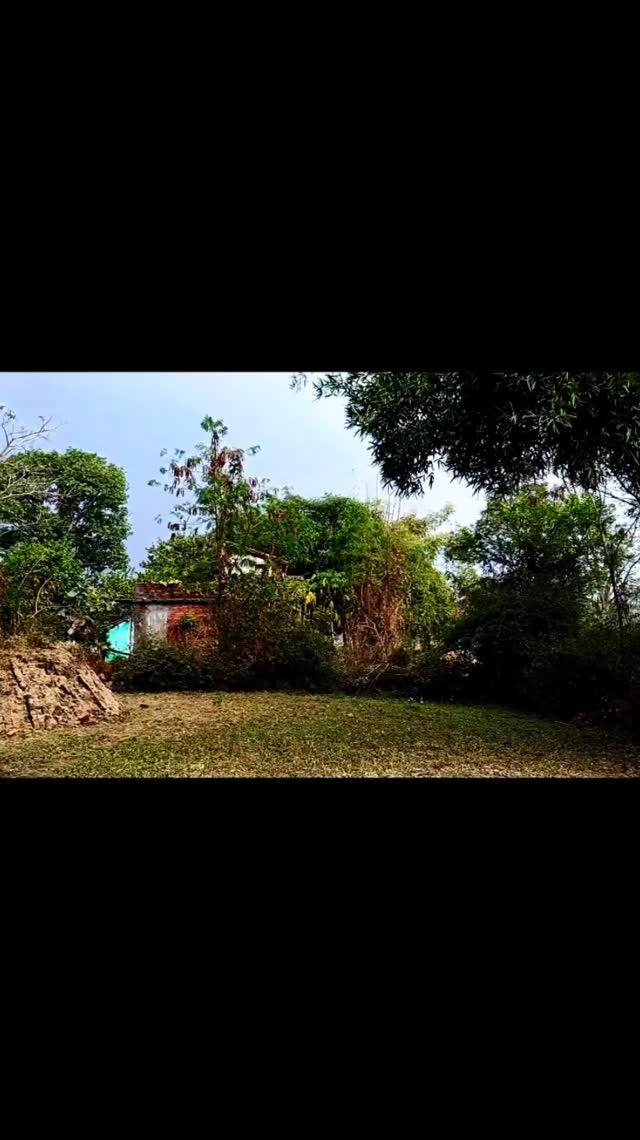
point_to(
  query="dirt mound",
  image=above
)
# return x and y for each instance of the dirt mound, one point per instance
(46, 688)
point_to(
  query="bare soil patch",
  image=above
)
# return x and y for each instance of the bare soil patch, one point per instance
(48, 689)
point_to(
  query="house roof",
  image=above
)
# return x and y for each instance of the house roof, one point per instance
(179, 600)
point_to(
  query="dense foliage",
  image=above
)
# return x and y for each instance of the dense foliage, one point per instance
(535, 616)
(184, 559)
(537, 606)
(213, 496)
(367, 580)
(259, 642)
(40, 584)
(78, 498)
(63, 527)
(496, 430)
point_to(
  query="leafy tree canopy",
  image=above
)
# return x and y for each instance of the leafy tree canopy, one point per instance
(305, 535)
(41, 585)
(45, 590)
(545, 558)
(539, 533)
(414, 544)
(186, 559)
(74, 497)
(213, 495)
(496, 430)
(348, 537)
(284, 527)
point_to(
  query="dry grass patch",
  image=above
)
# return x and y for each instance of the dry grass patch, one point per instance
(280, 734)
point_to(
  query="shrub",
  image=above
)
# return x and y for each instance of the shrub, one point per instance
(304, 660)
(587, 675)
(160, 665)
(188, 622)
(453, 675)
(257, 627)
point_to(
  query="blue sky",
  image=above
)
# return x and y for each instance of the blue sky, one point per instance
(128, 417)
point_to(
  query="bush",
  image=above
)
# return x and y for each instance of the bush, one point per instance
(304, 660)
(161, 666)
(262, 641)
(259, 642)
(188, 623)
(588, 675)
(451, 675)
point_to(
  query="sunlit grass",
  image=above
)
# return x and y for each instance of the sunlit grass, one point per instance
(281, 734)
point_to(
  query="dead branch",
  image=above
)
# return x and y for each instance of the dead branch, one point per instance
(45, 583)
(17, 439)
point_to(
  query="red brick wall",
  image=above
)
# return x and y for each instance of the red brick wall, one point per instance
(157, 590)
(203, 615)
(176, 610)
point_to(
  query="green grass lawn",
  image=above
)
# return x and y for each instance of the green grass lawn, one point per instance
(283, 734)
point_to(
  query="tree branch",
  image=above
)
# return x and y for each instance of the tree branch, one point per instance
(17, 439)
(45, 583)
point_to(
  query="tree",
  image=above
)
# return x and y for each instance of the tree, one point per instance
(14, 438)
(45, 592)
(277, 527)
(349, 536)
(74, 497)
(538, 532)
(496, 430)
(615, 559)
(221, 499)
(283, 527)
(184, 559)
(376, 577)
(63, 526)
(430, 599)
(347, 548)
(543, 557)
(18, 480)
(42, 586)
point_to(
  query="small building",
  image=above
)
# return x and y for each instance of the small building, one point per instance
(168, 613)
(250, 564)
(161, 613)
(171, 613)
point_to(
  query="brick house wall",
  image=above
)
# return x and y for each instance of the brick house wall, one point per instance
(148, 591)
(203, 616)
(158, 611)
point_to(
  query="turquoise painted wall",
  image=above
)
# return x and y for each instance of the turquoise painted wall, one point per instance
(119, 638)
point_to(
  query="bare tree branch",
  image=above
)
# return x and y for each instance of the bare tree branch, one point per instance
(45, 583)
(17, 439)
(19, 482)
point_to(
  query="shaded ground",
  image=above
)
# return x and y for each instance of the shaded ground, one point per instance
(280, 734)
